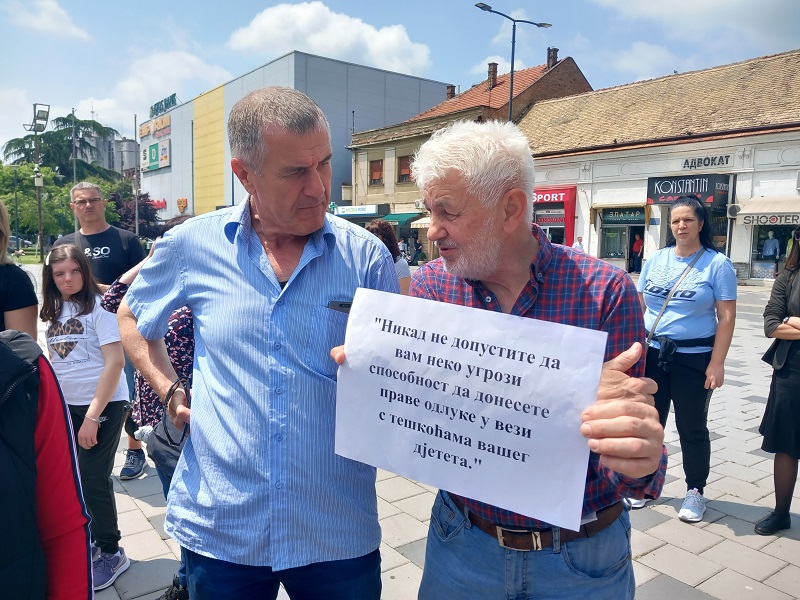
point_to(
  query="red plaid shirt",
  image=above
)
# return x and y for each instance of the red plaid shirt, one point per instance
(573, 288)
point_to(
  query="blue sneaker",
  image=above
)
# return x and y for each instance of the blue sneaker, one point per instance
(107, 567)
(134, 464)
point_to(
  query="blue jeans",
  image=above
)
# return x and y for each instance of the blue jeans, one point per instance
(463, 562)
(350, 579)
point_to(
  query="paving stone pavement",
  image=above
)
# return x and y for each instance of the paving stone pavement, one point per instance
(720, 557)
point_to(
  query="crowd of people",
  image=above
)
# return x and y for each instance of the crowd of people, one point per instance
(235, 323)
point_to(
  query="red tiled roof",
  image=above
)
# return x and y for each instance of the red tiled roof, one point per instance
(481, 95)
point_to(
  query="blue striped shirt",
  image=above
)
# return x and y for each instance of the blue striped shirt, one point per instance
(258, 482)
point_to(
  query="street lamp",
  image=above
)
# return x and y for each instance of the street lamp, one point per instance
(514, 22)
(41, 113)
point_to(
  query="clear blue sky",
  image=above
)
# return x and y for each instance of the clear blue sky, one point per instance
(118, 58)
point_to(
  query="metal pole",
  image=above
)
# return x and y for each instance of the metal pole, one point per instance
(38, 198)
(74, 171)
(135, 190)
(16, 209)
(511, 80)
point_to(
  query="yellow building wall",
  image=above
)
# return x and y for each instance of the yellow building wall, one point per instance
(209, 151)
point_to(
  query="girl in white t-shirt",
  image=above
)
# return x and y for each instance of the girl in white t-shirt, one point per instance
(86, 353)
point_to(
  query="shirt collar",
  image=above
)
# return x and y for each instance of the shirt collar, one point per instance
(239, 220)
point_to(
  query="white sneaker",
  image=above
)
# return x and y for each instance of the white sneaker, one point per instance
(693, 508)
(636, 502)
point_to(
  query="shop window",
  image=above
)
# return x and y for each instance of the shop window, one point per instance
(613, 242)
(403, 169)
(375, 172)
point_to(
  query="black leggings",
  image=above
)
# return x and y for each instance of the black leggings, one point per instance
(683, 387)
(95, 466)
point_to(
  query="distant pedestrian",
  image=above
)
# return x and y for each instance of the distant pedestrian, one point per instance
(381, 229)
(86, 354)
(781, 423)
(578, 245)
(638, 251)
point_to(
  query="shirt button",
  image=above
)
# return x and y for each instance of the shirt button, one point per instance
(277, 346)
(488, 298)
(278, 390)
(279, 437)
(279, 485)
(279, 303)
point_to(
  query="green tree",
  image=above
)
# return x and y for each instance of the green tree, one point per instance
(55, 148)
(56, 214)
(149, 223)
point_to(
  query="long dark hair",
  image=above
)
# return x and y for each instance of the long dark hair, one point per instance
(794, 256)
(52, 301)
(381, 229)
(701, 214)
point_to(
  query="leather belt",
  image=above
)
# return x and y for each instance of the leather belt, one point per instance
(537, 539)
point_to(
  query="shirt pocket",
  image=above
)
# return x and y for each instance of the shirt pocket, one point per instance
(328, 328)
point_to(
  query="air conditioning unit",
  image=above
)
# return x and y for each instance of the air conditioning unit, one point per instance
(733, 210)
(419, 204)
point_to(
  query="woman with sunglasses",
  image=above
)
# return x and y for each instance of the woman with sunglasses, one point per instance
(781, 423)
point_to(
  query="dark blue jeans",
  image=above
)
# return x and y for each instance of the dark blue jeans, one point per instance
(351, 579)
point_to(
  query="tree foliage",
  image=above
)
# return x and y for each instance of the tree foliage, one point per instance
(55, 148)
(149, 223)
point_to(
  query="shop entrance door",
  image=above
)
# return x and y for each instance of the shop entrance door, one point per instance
(554, 234)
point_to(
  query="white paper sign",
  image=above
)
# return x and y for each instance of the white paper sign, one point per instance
(480, 403)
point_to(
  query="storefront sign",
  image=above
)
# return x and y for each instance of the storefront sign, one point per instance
(163, 106)
(550, 216)
(361, 210)
(704, 162)
(565, 194)
(712, 188)
(144, 130)
(182, 204)
(155, 156)
(623, 216)
(159, 204)
(161, 126)
(771, 219)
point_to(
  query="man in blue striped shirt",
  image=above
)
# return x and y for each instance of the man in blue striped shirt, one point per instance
(259, 497)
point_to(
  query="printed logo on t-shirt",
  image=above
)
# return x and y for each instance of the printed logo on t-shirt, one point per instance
(97, 252)
(65, 337)
(663, 277)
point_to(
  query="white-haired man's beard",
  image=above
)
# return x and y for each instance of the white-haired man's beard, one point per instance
(476, 260)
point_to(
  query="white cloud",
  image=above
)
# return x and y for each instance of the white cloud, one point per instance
(46, 16)
(313, 27)
(718, 23)
(15, 109)
(645, 61)
(149, 79)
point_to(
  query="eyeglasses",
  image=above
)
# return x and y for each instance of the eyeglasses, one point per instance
(87, 201)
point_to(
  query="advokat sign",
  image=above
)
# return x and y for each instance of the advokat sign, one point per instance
(711, 188)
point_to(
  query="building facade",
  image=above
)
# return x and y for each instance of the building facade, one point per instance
(625, 153)
(381, 175)
(184, 154)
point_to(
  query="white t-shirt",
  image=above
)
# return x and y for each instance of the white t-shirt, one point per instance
(401, 268)
(691, 312)
(74, 343)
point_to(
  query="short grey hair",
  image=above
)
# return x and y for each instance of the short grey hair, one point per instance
(490, 158)
(84, 185)
(267, 107)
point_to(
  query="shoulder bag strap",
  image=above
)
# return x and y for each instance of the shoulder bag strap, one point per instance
(672, 292)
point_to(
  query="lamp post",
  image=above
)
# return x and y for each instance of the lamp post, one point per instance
(16, 207)
(487, 8)
(41, 113)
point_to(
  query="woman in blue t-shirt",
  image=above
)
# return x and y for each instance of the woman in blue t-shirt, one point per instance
(686, 353)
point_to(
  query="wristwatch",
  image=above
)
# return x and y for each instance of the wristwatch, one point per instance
(785, 320)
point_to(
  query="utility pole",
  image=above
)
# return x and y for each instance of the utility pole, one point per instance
(16, 207)
(74, 170)
(136, 180)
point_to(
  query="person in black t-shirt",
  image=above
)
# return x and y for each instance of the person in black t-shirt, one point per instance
(112, 251)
